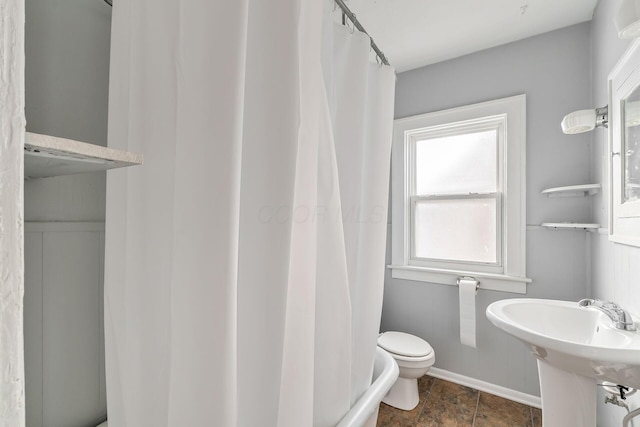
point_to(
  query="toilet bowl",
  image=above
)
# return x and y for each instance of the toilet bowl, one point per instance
(414, 357)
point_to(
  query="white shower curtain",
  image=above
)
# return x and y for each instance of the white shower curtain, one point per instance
(245, 258)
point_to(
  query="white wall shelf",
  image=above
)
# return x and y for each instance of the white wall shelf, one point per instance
(47, 156)
(572, 190)
(571, 225)
(582, 190)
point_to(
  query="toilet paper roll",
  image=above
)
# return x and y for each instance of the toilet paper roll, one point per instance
(467, 296)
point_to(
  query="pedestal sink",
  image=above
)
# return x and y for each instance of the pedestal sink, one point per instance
(576, 347)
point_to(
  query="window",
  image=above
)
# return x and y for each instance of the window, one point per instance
(459, 196)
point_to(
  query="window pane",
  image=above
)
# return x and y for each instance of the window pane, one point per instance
(456, 230)
(632, 147)
(457, 164)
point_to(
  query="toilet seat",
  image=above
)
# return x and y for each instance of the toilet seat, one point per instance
(405, 346)
(416, 360)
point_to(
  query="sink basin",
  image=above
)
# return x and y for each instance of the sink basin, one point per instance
(575, 347)
(579, 339)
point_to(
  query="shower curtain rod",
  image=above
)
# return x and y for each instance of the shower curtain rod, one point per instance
(352, 17)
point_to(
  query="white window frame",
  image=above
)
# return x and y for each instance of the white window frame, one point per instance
(412, 137)
(509, 273)
(624, 216)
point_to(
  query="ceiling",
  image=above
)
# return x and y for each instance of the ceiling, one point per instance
(414, 33)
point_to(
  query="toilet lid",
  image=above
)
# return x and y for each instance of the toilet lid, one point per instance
(404, 344)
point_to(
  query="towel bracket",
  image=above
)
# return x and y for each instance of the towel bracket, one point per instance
(468, 278)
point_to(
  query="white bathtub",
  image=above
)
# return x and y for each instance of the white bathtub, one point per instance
(365, 411)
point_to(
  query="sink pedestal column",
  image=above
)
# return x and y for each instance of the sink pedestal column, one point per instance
(568, 399)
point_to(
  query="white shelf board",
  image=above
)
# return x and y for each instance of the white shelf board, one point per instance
(571, 225)
(573, 190)
(47, 156)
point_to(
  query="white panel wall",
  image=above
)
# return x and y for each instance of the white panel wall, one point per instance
(553, 70)
(64, 344)
(33, 326)
(616, 277)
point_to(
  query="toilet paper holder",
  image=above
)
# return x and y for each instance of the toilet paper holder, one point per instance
(468, 278)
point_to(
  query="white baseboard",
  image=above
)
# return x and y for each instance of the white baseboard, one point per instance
(507, 393)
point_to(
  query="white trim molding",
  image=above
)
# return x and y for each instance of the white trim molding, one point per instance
(12, 131)
(62, 226)
(487, 281)
(508, 273)
(497, 390)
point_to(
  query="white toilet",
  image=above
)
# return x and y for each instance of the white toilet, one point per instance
(414, 357)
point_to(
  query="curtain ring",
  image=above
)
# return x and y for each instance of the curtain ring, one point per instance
(374, 52)
(353, 26)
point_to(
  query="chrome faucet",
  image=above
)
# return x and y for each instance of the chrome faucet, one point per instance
(620, 318)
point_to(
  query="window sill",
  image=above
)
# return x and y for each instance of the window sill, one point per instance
(492, 282)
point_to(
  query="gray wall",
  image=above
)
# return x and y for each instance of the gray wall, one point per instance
(67, 77)
(67, 83)
(553, 70)
(615, 267)
(64, 338)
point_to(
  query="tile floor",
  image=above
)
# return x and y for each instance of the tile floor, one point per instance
(445, 404)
